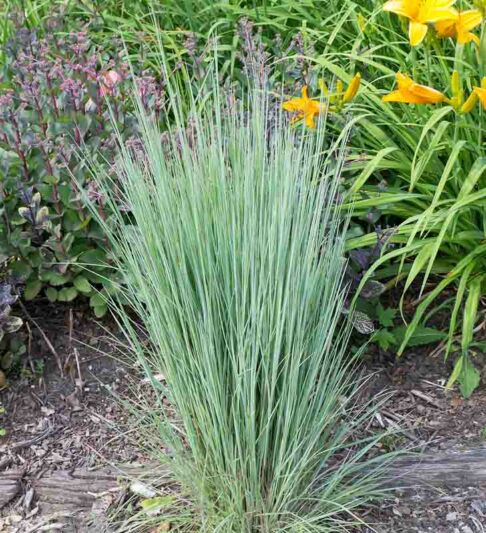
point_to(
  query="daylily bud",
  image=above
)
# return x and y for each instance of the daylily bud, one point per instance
(457, 94)
(469, 104)
(352, 89)
(323, 86)
(339, 87)
(337, 94)
(361, 22)
(455, 83)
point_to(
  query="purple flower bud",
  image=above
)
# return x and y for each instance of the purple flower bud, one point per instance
(6, 100)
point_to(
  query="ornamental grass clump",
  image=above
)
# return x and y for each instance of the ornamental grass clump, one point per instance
(233, 262)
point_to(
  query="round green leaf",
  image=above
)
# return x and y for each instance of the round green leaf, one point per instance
(100, 310)
(32, 289)
(67, 294)
(21, 268)
(97, 300)
(51, 294)
(82, 284)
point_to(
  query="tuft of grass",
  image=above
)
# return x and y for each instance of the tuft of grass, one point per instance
(232, 258)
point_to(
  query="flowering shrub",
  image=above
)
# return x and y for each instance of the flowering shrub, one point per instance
(56, 99)
(449, 232)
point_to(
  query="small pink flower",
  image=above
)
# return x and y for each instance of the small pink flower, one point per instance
(109, 80)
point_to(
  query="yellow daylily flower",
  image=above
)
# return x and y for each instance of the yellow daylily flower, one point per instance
(352, 89)
(461, 26)
(420, 13)
(480, 92)
(305, 107)
(409, 92)
(469, 104)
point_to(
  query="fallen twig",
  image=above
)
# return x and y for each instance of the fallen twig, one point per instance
(426, 398)
(80, 376)
(34, 440)
(44, 336)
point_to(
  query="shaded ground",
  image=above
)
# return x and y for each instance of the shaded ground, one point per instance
(56, 422)
(62, 422)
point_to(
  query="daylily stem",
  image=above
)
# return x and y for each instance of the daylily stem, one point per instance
(440, 55)
(413, 55)
(427, 61)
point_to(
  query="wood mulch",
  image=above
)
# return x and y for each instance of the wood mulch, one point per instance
(67, 432)
(63, 426)
(439, 422)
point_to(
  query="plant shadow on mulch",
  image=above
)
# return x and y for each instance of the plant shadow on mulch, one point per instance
(62, 422)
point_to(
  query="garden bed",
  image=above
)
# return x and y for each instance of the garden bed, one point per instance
(57, 428)
(259, 189)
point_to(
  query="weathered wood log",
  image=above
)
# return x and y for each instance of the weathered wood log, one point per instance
(79, 490)
(76, 490)
(454, 469)
(9, 485)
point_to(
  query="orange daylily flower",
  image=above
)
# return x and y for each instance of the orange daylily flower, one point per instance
(409, 92)
(420, 13)
(460, 27)
(305, 107)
